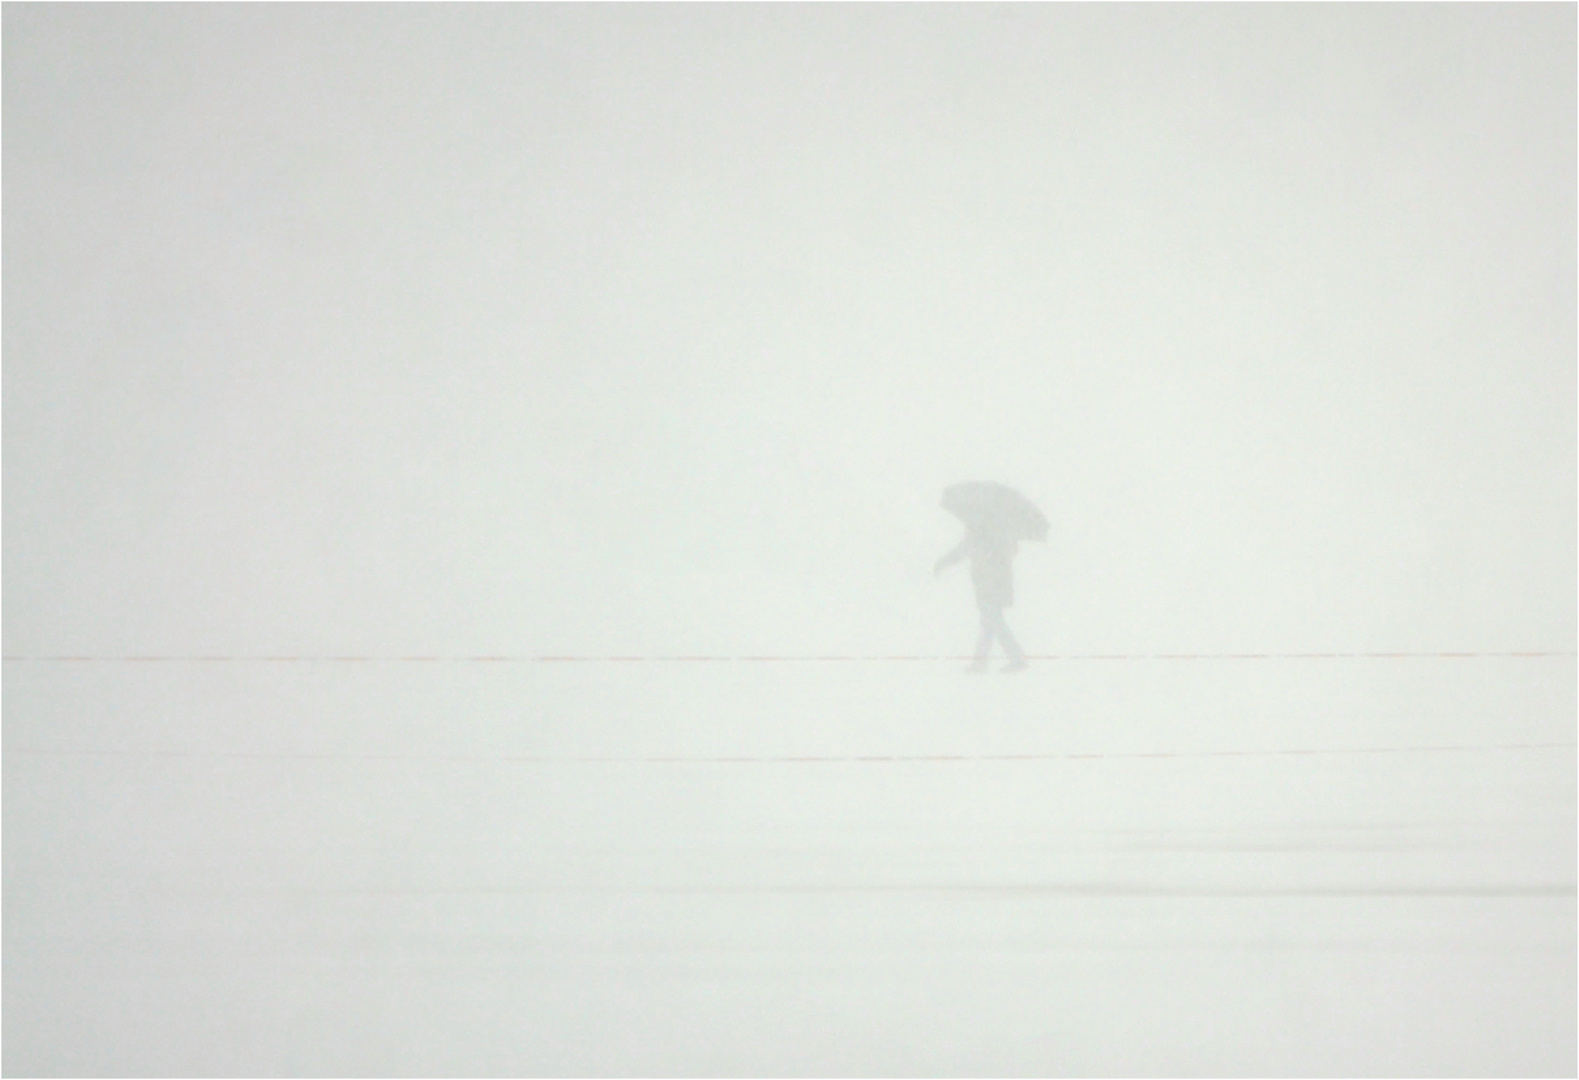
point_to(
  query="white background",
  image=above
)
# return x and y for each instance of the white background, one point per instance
(657, 331)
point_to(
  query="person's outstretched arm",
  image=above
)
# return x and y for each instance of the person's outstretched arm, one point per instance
(953, 556)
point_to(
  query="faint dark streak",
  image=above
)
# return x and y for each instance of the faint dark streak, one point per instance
(1005, 890)
(805, 759)
(556, 659)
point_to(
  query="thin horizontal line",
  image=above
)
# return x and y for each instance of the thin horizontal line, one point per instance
(551, 659)
(1029, 888)
(800, 759)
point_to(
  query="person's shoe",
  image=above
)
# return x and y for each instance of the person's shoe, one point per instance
(1018, 665)
(977, 667)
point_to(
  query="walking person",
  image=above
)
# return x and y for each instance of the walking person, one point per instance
(996, 518)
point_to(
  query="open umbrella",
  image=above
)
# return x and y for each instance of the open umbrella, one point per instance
(982, 504)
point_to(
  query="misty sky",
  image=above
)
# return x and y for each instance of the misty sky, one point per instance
(542, 329)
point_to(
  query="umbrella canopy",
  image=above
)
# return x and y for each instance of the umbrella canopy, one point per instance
(982, 504)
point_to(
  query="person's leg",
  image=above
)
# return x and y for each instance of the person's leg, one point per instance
(983, 643)
(994, 625)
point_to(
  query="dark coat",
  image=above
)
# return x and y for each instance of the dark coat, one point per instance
(992, 569)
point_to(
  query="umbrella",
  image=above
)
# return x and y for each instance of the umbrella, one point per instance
(985, 505)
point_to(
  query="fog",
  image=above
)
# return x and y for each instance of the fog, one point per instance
(656, 331)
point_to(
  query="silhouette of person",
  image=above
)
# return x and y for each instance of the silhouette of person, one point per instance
(991, 552)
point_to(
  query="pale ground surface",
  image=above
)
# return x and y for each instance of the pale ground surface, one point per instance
(240, 869)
